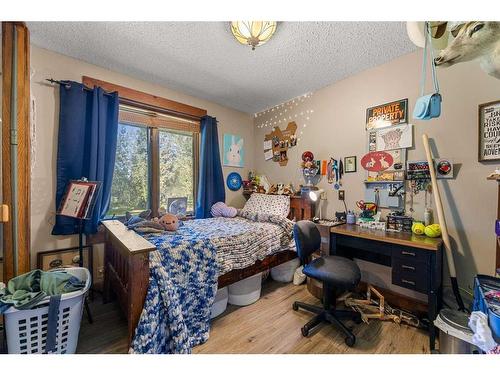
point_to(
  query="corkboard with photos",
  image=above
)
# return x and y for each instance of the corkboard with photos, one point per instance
(278, 142)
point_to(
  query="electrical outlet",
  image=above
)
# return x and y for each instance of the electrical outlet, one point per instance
(100, 273)
(341, 195)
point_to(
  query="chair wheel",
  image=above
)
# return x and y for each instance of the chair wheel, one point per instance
(350, 341)
(295, 307)
(305, 331)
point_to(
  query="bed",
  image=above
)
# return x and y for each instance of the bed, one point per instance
(128, 257)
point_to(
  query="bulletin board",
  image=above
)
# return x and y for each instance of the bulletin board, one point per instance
(278, 142)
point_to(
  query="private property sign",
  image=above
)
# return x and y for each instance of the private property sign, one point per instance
(394, 113)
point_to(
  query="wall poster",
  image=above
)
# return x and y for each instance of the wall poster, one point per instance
(489, 131)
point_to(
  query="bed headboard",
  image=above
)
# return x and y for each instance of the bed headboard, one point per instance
(301, 208)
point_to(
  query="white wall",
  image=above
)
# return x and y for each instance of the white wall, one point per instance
(331, 122)
(47, 64)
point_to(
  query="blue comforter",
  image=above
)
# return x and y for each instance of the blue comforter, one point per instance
(184, 272)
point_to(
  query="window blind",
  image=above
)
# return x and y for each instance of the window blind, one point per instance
(136, 116)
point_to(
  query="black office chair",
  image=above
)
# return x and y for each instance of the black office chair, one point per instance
(336, 273)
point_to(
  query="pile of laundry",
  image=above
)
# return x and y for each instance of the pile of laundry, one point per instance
(25, 291)
(483, 337)
(485, 319)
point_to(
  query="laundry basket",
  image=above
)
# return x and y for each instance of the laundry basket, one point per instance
(27, 329)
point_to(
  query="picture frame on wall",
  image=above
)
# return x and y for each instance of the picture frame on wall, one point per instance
(488, 136)
(350, 164)
(234, 152)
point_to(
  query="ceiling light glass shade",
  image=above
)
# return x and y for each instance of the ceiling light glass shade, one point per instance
(253, 33)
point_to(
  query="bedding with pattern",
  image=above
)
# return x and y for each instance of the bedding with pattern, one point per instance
(184, 271)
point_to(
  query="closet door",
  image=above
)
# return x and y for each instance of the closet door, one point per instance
(15, 153)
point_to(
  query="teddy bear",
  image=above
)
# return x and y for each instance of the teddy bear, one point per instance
(169, 222)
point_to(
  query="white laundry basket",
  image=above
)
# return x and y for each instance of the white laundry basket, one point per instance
(27, 329)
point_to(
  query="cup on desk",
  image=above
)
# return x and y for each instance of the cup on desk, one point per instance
(351, 218)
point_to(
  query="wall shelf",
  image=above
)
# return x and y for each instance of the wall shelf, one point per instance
(384, 182)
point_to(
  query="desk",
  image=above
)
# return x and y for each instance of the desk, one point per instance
(416, 261)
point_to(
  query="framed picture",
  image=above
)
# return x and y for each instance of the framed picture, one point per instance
(69, 257)
(489, 136)
(234, 152)
(388, 114)
(78, 199)
(395, 137)
(350, 164)
(177, 206)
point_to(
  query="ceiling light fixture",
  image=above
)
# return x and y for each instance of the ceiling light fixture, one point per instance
(253, 33)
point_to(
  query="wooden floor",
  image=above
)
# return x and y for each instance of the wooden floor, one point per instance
(267, 326)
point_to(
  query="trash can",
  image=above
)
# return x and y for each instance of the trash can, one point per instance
(455, 336)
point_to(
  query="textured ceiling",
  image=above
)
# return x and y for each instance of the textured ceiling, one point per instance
(204, 60)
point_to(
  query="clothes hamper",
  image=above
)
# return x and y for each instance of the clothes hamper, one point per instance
(27, 329)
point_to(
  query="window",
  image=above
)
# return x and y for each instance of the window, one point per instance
(156, 161)
(131, 182)
(176, 167)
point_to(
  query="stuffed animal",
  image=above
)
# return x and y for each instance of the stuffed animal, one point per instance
(221, 209)
(169, 222)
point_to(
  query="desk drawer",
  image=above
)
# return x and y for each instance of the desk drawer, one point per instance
(411, 254)
(414, 276)
(410, 267)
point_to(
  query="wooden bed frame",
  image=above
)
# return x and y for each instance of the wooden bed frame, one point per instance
(126, 263)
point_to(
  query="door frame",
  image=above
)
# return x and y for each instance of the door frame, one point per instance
(16, 182)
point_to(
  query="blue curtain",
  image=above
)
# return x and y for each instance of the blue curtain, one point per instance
(88, 126)
(211, 181)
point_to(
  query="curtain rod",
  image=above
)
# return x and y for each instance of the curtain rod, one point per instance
(67, 84)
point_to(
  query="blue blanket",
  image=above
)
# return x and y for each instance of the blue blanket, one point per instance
(182, 287)
(184, 272)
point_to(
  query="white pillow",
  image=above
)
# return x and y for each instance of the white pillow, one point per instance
(278, 205)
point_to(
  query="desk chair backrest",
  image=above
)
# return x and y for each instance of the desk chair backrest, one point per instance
(307, 239)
